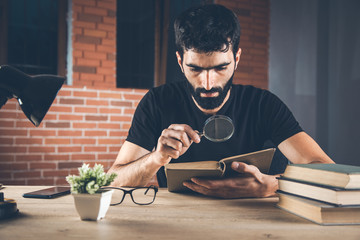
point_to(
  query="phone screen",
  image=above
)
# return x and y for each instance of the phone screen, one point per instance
(52, 192)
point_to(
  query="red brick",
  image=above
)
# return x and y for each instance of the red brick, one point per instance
(84, 125)
(69, 149)
(95, 11)
(129, 111)
(95, 55)
(71, 117)
(110, 111)
(62, 165)
(57, 124)
(108, 64)
(121, 103)
(95, 149)
(96, 118)
(83, 46)
(92, 133)
(109, 125)
(42, 149)
(107, 27)
(88, 18)
(97, 102)
(56, 157)
(27, 174)
(91, 77)
(94, 33)
(57, 109)
(13, 132)
(72, 101)
(121, 118)
(85, 110)
(28, 157)
(88, 62)
(56, 141)
(6, 141)
(83, 157)
(85, 94)
(110, 95)
(83, 141)
(11, 115)
(13, 166)
(109, 20)
(111, 157)
(118, 133)
(106, 5)
(7, 124)
(105, 70)
(11, 149)
(56, 173)
(43, 133)
(133, 96)
(42, 165)
(84, 24)
(28, 141)
(109, 141)
(71, 133)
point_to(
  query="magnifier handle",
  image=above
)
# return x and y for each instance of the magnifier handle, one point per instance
(201, 134)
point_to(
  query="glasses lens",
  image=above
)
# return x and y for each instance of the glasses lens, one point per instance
(143, 195)
(117, 196)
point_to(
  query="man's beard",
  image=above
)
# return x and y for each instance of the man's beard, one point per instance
(209, 103)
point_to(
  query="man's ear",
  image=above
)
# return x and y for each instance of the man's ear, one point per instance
(237, 57)
(179, 61)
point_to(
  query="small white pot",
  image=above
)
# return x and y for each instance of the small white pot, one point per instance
(92, 206)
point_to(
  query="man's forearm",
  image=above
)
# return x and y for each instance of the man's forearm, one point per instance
(137, 173)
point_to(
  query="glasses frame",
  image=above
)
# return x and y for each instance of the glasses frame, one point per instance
(130, 193)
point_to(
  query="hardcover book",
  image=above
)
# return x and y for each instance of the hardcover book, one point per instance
(333, 195)
(336, 175)
(319, 212)
(177, 173)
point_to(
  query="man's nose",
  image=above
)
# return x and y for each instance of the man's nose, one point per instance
(207, 80)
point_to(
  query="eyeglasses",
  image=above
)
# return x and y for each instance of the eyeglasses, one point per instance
(139, 195)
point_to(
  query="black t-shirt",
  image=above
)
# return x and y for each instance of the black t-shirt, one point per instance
(258, 115)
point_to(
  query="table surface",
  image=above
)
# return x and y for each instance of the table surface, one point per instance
(171, 216)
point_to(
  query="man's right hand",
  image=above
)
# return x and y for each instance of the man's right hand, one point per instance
(175, 141)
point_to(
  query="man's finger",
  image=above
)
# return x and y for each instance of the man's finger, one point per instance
(241, 167)
(191, 133)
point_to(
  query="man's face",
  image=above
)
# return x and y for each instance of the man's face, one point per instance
(209, 76)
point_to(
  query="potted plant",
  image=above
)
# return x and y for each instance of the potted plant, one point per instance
(91, 202)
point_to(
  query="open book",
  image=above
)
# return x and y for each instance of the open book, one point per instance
(177, 173)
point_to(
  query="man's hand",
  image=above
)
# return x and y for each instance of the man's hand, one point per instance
(250, 183)
(175, 141)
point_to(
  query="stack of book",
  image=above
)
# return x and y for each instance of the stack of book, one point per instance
(327, 194)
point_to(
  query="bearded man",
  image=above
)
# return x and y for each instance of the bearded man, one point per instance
(165, 123)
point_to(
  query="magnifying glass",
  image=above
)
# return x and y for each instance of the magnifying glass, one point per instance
(218, 128)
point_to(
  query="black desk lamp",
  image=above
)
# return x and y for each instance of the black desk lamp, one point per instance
(35, 95)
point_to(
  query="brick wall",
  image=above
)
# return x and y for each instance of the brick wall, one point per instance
(83, 125)
(94, 43)
(89, 121)
(254, 17)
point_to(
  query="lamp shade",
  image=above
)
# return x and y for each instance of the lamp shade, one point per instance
(35, 94)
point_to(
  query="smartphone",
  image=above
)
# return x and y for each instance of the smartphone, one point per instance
(48, 193)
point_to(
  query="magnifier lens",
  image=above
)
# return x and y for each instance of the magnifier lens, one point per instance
(218, 128)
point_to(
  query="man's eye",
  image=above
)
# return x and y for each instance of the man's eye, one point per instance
(220, 68)
(195, 69)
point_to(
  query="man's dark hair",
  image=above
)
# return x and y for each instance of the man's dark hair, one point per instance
(207, 28)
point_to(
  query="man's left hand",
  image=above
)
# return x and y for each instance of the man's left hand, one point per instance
(250, 183)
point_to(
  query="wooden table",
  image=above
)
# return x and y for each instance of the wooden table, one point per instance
(171, 216)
